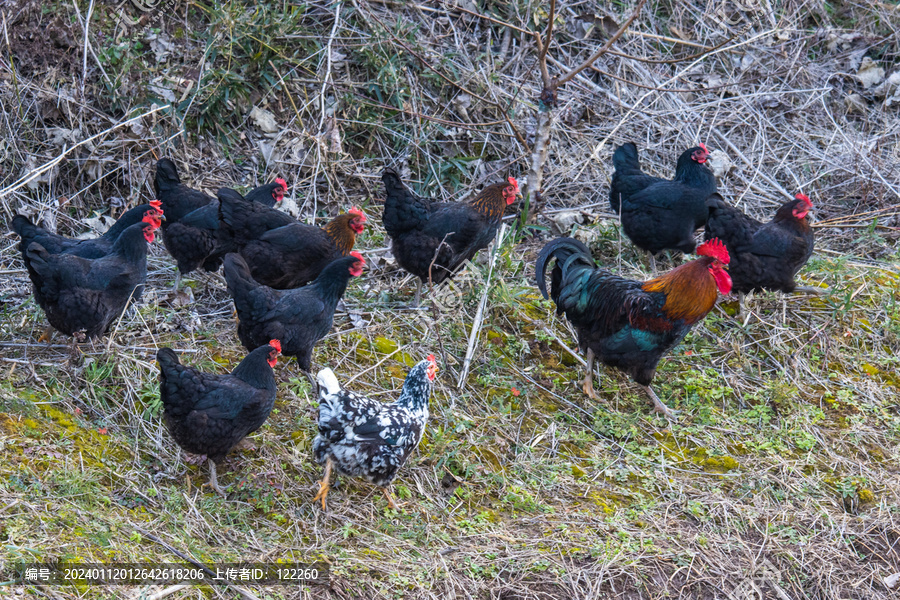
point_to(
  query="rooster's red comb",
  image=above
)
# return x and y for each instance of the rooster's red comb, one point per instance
(702, 145)
(275, 344)
(432, 359)
(281, 182)
(716, 249)
(512, 181)
(805, 198)
(358, 212)
(156, 204)
(358, 256)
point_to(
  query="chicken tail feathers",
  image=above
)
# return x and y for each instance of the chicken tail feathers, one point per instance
(24, 227)
(403, 210)
(166, 176)
(167, 359)
(564, 250)
(625, 158)
(328, 383)
(237, 276)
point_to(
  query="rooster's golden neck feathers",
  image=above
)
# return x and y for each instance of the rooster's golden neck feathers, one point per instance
(690, 290)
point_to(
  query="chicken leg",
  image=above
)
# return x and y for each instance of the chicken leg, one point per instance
(653, 264)
(177, 280)
(213, 481)
(391, 504)
(418, 299)
(588, 385)
(48, 333)
(324, 485)
(658, 405)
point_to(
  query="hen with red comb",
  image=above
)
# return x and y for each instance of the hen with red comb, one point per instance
(660, 214)
(764, 256)
(300, 317)
(362, 437)
(432, 240)
(192, 232)
(292, 255)
(208, 413)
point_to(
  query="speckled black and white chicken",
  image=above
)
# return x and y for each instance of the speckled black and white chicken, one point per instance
(365, 438)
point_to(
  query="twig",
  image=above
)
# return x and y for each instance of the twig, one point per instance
(31, 176)
(479, 316)
(334, 29)
(602, 50)
(243, 592)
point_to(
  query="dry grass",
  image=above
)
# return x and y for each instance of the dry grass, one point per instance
(781, 481)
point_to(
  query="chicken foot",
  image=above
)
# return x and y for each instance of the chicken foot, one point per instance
(213, 482)
(658, 405)
(324, 485)
(588, 385)
(390, 498)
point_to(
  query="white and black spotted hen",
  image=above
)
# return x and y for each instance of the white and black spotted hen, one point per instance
(365, 438)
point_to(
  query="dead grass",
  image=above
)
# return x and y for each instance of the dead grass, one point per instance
(780, 482)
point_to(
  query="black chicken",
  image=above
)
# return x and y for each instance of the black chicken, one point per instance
(82, 296)
(192, 233)
(298, 317)
(764, 256)
(659, 214)
(432, 240)
(291, 256)
(629, 324)
(209, 414)
(89, 248)
(361, 437)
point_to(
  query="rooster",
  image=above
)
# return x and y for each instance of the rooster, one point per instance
(209, 414)
(192, 233)
(764, 256)
(660, 214)
(300, 317)
(82, 296)
(293, 255)
(432, 240)
(361, 437)
(629, 324)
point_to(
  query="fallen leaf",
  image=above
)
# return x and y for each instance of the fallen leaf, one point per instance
(869, 73)
(264, 119)
(720, 163)
(856, 104)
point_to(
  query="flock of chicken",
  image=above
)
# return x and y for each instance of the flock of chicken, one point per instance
(286, 279)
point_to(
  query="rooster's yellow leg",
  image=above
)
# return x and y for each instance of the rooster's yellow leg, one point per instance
(658, 405)
(588, 385)
(324, 485)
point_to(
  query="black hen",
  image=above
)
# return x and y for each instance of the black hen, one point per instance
(764, 256)
(659, 214)
(298, 317)
(361, 437)
(245, 221)
(209, 414)
(434, 239)
(83, 296)
(89, 248)
(629, 324)
(192, 232)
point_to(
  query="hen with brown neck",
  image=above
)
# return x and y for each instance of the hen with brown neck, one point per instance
(293, 255)
(432, 240)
